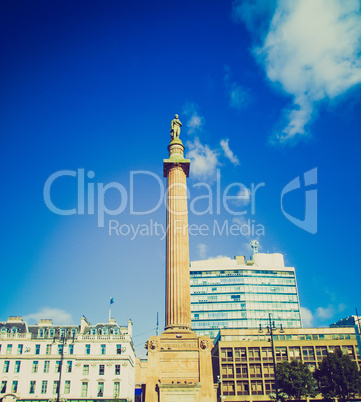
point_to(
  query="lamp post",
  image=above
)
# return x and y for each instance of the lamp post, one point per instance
(270, 328)
(62, 342)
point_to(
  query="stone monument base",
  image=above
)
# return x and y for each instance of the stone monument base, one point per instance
(179, 367)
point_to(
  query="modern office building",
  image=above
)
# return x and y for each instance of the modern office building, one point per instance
(80, 362)
(243, 360)
(234, 293)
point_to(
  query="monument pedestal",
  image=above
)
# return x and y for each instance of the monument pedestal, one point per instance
(179, 368)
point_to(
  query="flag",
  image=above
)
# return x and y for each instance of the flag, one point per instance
(111, 300)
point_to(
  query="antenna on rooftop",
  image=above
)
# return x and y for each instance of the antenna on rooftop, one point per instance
(157, 325)
(254, 245)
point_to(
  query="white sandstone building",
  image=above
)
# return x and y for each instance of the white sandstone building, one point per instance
(86, 362)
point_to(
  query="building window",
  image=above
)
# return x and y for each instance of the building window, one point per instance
(321, 352)
(117, 369)
(254, 354)
(86, 369)
(32, 387)
(87, 349)
(308, 353)
(268, 370)
(51, 333)
(93, 331)
(20, 349)
(241, 371)
(69, 366)
(269, 387)
(17, 366)
(41, 333)
(48, 350)
(9, 349)
(228, 388)
(4, 330)
(101, 369)
(102, 349)
(255, 370)
(67, 387)
(256, 388)
(227, 371)
(3, 387)
(55, 387)
(71, 349)
(37, 349)
(35, 366)
(295, 353)
(266, 354)
(242, 388)
(60, 349)
(116, 389)
(119, 349)
(100, 389)
(227, 354)
(14, 387)
(240, 354)
(281, 353)
(73, 333)
(44, 386)
(116, 331)
(62, 332)
(84, 389)
(14, 330)
(105, 331)
(6, 366)
(57, 366)
(46, 366)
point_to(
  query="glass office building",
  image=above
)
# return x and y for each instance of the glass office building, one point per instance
(233, 293)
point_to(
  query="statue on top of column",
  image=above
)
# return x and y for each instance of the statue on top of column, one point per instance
(175, 126)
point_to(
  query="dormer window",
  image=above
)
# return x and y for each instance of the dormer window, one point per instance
(4, 330)
(51, 333)
(62, 332)
(93, 331)
(14, 330)
(105, 331)
(41, 333)
(116, 331)
(73, 332)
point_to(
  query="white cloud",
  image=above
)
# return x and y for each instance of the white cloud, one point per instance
(57, 315)
(238, 95)
(228, 153)
(325, 313)
(204, 160)
(311, 51)
(307, 317)
(195, 121)
(202, 250)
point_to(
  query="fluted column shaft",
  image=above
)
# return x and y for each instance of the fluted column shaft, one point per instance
(178, 306)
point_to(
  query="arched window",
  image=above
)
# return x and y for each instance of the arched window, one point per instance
(4, 330)
(14, 330)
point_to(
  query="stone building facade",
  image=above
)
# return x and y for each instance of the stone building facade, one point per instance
(243, 359)
(81, 362)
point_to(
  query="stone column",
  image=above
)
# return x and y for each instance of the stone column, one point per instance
(178, 306)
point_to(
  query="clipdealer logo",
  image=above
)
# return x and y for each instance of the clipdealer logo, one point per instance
(92, 200)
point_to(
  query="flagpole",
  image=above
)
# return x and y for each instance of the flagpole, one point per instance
(111, 301)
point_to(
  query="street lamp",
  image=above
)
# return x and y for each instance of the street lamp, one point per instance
(62, 341)
(270, 328)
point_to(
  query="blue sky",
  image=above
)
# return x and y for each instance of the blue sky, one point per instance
(266, 92)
